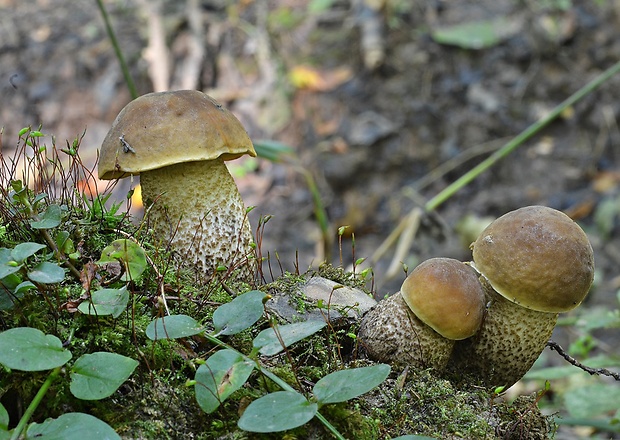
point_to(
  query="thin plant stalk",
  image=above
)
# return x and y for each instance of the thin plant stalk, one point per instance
(518, 140)
(23, 422)
(117, 50)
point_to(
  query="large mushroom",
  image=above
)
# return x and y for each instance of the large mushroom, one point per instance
(439, 302)
(535, 263)
(177, 142)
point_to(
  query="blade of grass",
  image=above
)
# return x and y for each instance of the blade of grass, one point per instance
(518, 140)
(117, 50)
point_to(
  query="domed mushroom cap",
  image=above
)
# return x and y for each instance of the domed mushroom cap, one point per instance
(165, 128)
(447, 296)
(537, 257)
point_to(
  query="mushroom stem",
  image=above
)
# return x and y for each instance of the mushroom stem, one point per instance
(509, 342)
(390, 332)
(198, 207)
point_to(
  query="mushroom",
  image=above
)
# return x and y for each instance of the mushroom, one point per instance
(178, 142)
(439, 302)
(535, 262)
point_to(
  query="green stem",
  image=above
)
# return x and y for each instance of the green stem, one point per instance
(281, 383)
(117, 50)
(23, 422)
(447, 192)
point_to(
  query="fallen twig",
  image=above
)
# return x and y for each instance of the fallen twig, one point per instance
(571, 360)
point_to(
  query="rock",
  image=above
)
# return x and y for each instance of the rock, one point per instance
(320, 298)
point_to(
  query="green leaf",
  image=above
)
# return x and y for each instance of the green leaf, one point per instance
(4, 419)
(98, 375)
(72, 426)
(269, 343)
(64, 242)
(130, 254)
(25, 250)
(29, 349)
(106, 302)
(344, 385)
(7, 269)
(9, 292)
(273, 150)
(239, 314)
(47, 273)
(173, 327)
(276, 412)
(221, 375)
(5, 255)
(592, 400)
(475, 35)
(24, 287)
(50, 218)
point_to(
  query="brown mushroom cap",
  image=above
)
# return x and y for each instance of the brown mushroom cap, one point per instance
(537, 257)
(447, 296)
(165, 128)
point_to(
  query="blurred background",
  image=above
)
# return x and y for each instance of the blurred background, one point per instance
(380, 105)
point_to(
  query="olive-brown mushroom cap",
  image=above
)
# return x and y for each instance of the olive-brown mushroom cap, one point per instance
(165, 128)
(447, 296)
(537, 257)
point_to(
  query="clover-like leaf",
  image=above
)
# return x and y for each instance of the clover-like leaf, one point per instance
(9, 268)
(130, 254)
(25, 250)
(221, 375)
(239, 314)
(49, 219)
(173, 327)
(344, 385)
(276, 412)
(29, 349)
(72, 426)
(96, 376)
(270, 341)
(47, 273)
(106, 302)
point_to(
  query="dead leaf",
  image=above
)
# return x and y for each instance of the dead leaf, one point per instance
(319, 80)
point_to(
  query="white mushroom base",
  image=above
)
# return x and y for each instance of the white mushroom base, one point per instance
(197, 206)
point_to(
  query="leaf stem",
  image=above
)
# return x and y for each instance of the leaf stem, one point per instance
(530, 131)
(23, 422)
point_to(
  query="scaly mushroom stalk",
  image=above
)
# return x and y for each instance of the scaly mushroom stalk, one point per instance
(216, 230)
(509, 341)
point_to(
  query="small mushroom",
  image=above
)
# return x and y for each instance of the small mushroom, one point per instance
(535, 263)
(439, 302)
(178, 142)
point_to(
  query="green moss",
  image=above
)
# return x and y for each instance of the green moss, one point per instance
(156, 402)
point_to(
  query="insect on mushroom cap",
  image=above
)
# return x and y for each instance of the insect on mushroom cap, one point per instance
(166, 128)
(447, 296)
(536, 257)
